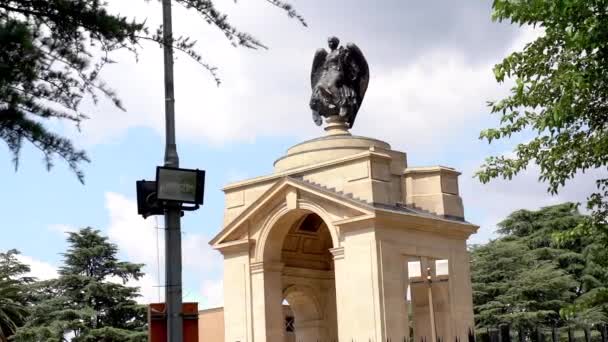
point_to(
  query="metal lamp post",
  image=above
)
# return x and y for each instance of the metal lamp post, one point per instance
(173, 188)
(173, 243)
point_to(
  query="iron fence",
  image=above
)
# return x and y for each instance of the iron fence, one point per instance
(506, 333)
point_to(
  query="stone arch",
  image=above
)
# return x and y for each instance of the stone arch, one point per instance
(276, 226)
(304, 276)
(309, 317)
(303, 302)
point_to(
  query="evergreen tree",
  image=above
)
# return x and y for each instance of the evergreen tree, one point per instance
(89, 301)
(47, 63)
(528, 277)
(13, 293)
(510, 284)
(582, 257)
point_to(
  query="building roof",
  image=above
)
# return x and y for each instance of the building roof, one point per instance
(397, 207)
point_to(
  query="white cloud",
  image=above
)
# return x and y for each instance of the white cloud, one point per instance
(494, 201)
(425, 100)
(134, 236)
(39, 269)
(421, 104)
(137, 238)
(427, 90)
(266, 93)
(198, 254)
(148, 288)
(424, 103)
(527, 34)
(212, 293)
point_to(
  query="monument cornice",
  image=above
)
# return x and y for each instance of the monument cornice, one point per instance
(237, 246)
(282, 189)
(433, 224)
(363, 221)
(430, 169)
(268, 178)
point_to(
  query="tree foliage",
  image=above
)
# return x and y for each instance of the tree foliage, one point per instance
(89, 301)
(512, 285)
(560, 94)
(53, 52)
(526, 277)
(13, 293)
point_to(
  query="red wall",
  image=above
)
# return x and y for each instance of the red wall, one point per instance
(157, 323)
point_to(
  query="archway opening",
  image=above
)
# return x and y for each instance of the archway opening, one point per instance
(290, 330)
(308, 279)
(307, 244)
(303, 315)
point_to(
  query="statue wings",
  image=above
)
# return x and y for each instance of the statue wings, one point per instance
(359, 75)
(359, 70)
(355, 75)
(317, 64)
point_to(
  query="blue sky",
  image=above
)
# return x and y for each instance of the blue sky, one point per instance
(430, 79)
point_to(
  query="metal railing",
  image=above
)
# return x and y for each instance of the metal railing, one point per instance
(504, 333)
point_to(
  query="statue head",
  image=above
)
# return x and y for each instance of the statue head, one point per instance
(333, 42)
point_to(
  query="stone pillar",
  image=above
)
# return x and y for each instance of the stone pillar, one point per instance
(461, 293)
(393, 280)
(330, 313)
(358, 299)
(341, 279)
(423, 325)
(312, 330)
(237, 295)
(441, 303)
(268, 318)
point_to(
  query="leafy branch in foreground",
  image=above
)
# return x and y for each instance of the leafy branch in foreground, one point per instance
(560, 94)
(53, 52)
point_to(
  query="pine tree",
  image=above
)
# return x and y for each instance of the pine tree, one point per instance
(89, 301)
(529, 277)
(13, 293)
(510, 284)
(582, 257)
(47, 63)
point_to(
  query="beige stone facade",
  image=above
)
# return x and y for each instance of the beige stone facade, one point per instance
(211, 325)
(335, 231)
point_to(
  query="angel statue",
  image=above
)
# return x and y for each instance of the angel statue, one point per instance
(339, 81)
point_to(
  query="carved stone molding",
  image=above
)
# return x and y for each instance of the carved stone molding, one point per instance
(338, 253)
(259, 267)
(234, 247)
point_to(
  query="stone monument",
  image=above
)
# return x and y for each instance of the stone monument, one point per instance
(361, 245)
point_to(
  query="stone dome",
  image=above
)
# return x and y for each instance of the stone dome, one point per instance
(338, 143)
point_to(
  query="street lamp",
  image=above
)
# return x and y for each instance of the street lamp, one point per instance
(173, 187)
(167, 195)
(180, 185)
